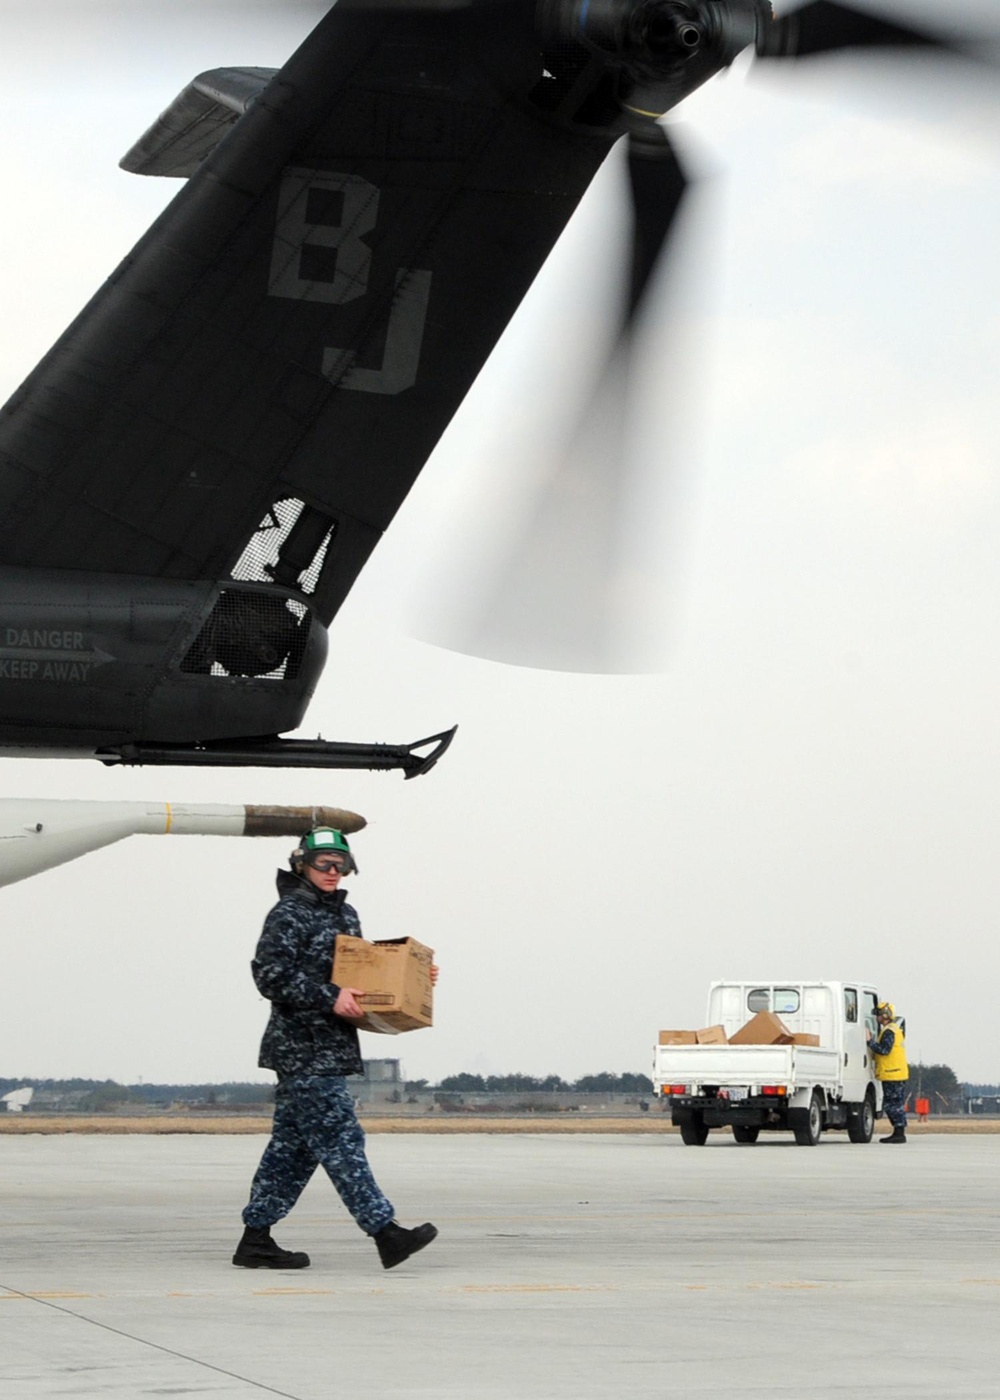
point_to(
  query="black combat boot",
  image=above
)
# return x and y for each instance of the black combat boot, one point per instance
(396, 1244)
(256, 1250)
(898, 1135)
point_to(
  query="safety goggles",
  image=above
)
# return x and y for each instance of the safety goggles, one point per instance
(323, 864)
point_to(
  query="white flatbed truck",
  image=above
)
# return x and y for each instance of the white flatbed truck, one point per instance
(804, 1089)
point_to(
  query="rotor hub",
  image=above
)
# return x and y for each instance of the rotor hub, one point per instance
(669, 31)
(661, 49)
(651, 33)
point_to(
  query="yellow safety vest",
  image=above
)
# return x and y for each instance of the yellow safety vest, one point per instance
(893, 1065)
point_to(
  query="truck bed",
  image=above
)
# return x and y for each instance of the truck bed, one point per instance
(746, 1066)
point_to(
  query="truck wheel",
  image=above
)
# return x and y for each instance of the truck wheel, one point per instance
(693, 1131)
(861, 1125)
(742, 1134)
(807, 1123)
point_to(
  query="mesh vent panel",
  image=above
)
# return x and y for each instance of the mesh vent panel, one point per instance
(250, 634)
(264, 546)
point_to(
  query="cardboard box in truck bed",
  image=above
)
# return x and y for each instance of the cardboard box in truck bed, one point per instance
(763, 1029)
(710, 1035)
(394, 978)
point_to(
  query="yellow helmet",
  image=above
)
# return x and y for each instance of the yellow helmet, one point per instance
(886, 1009)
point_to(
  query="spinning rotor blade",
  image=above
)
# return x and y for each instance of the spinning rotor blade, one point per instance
(578, 590)
(549, 606)
(657, 183)
(825, 26)
(573, 591)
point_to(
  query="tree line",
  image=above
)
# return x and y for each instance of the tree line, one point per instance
(93, 1094)
(603, 1083)
(938, 1083)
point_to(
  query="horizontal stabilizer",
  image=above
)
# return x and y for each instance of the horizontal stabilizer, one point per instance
(196, 121)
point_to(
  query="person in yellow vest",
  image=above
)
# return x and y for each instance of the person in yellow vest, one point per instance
(889, 1054)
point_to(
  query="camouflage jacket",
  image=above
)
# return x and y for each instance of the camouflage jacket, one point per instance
(291, 968)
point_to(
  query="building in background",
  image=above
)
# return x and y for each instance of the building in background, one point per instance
(18, 1099)
(383, 1082)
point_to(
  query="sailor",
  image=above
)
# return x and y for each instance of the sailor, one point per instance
(889, 1052)
(311, 1042)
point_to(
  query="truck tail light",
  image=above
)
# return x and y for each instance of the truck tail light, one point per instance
(774, 1091)
(676, 1089)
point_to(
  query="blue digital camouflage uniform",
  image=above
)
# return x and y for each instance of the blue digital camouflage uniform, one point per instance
(894, 1100)
(311, 1050)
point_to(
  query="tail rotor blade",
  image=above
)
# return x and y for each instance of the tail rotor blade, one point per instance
(657, 183)
(578, 587)
(549, 603)
(825, 26)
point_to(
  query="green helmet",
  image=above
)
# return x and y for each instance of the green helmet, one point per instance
(322, 841)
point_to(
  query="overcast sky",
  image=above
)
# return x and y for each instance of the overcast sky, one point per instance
(810, 788)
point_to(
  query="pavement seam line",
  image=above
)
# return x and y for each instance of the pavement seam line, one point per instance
(143, 1341)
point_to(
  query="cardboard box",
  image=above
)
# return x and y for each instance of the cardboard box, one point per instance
(678, 1038)
(712, 1035)
(763, 1029)
(804, 1038)
(394, 976)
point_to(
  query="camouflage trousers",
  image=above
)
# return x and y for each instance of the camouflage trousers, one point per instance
(894, 1093)
(315, 1125)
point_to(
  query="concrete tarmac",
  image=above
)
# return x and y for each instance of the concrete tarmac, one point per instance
(567, 1266)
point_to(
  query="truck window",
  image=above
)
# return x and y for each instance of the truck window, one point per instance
(851, 1004)
(786, 1000)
